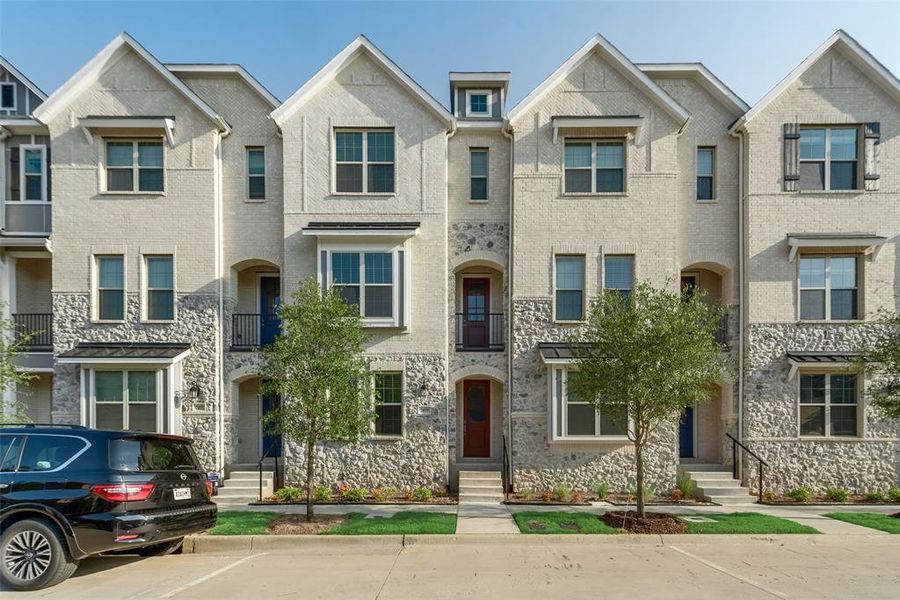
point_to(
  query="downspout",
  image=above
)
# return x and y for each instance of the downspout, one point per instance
(741, 300)
(220, 291)
(506, 130)
(450, 133)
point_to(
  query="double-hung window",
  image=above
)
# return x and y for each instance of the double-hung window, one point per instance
(706, 178)
(365, 279)
(478, 174)
(127, 400)
(160, 298)
(594, 166)
(364, 162)
(478, 103)
(828, 158)
(576, 418)
(569, 288)
(829, 404)
(829, 288)
(110, 295)
(33, 165)
(256, 173)
(388, 404)
(134, 165)
(618, 273)
(8, 96)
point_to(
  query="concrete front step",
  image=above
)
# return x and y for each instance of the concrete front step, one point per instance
(703, 482)
(466, 488)
(736, 500)
(251, 475)
(723, 491)
(706, 467)
(481, 497)
(695, 475)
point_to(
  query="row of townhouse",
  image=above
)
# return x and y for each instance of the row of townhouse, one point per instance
(154, 216)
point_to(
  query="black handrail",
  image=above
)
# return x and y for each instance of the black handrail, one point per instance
(35, 329)
(253, 330)
(275, 481)
(504, 474)
(734, 462)
(490, 337)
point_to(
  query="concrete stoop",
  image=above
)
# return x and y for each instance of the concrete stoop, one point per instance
(480, 486)
(242, 487)
(715, 483)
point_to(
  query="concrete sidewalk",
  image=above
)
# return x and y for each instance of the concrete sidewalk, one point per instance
(478, 517)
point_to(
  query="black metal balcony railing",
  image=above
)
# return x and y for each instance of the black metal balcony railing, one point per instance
(35, 330)
(249, 331)
(722, 332)
(479, 332)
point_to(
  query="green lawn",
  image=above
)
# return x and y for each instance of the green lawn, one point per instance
(233, 522)
(409, 523)
(873, 520)
(748, 523)
(560, 522)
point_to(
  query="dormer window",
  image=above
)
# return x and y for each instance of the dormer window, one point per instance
(478, 103)
(8, 95)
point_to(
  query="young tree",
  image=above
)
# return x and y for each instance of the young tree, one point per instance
(11, 345)
(644, 358)
(882, 359)
(318, 369)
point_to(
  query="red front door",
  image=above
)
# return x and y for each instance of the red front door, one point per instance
(477, 418)
(476, 303)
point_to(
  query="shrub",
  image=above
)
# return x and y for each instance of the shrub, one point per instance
(562, 493)
(421, 494)
(547, 496)
(407, 494)
(602, 489)
(676, 495)
(342, 488)
(800, 494)
(289, 494)
(836, 494)
(389, 492)
(875, 497)
(321, 493)
(377, 493)
(770, 496)
(577, 497)
(526, 494)
(354, 494)
(894, 494)
(649, 494)
(686, 485)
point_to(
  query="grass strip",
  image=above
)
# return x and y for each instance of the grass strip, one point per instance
(871, 520)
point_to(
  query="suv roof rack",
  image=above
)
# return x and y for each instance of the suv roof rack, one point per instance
(33, 425)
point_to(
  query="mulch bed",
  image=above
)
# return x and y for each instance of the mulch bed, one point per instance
(444, 500)
(298, 525)
(539, 502)
(650, 523)
(896, 515)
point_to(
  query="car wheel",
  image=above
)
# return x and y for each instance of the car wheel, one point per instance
(33, 556)
(163, 549)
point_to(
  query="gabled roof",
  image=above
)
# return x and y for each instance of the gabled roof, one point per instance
(852, 50)
(234, 69)
(704, 77)
(600, 44)
(90, 72)
(327, 74)
(21, 77)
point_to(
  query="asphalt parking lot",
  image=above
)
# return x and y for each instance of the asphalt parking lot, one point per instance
(692, 567)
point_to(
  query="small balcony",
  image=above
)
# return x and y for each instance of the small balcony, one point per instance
(35, 329)
(479, 332)
(252, 331)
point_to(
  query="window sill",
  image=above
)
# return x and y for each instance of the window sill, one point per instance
(254, 200)
(831, 438)
(568, 323)
(711, 201)
(830, 192)
(595, 194)
(386, 438)
(831, 322)
(612, 439)
(131, 194)
(157, 321)
(381, 325)
(471, 201)
(362, 194)
(479, 115)
(107, 322)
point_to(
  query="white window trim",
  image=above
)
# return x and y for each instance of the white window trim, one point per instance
(95, 288)
(382, 247)
(556, 402)
(583, 258)
(487, 171)
(161, 425)
(104, 179)
(593, 168)
(22, 183)
(15, 89)
(860, 309)
(715, 173)
(265, 174)
(145, 289)
(365, 160)
(860, 413)
(490, 103)
(858, 187)
(380, 436)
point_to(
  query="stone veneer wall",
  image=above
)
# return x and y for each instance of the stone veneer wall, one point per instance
(771, 418)
(540, 465)
(419, 458)
(474, 236)
(196, 324)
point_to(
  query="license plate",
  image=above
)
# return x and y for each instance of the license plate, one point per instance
(182, 493)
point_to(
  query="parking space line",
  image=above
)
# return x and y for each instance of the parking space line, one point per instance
(209, 576)
(729, 572)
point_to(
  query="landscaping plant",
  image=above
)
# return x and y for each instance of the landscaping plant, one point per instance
(318, 369)
(894, 494)
(562, 493)
(422, 494)
(527, 494)
(577, 497)
(836, 494)
(882, 361)
(643, 358)
(800, 494)
(288, 494)
(602, 490)
(875, 497)
(321, 493)
(378, 494)
(354, 494)
(770, 496)
(390, 492)
(686, 485)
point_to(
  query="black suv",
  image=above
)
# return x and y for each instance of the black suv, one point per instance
(70, 492)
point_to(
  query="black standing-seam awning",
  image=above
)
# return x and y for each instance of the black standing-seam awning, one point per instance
(560, 352)
(819, 358)
(137, 352)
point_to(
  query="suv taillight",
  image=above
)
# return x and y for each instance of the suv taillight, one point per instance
(123, 492)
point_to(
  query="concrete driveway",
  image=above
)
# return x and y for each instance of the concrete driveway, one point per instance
(689, 567)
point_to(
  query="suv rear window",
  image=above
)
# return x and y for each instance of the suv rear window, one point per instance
(151, 454)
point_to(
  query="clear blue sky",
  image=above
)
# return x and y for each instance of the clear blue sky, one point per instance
(749, 45)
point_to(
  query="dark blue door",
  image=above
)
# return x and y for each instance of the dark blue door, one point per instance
(269, 299)
(686, 433)
(271, 443)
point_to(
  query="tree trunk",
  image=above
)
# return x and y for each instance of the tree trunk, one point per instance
(639, 465)
(310, 471)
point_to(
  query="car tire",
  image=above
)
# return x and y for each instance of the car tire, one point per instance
(163, 549)
(33, 556)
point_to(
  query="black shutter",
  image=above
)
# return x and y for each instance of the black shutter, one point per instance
(324, 271)
(872, 149)
(791, 157)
